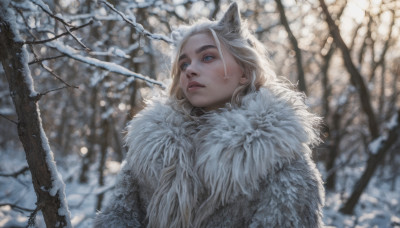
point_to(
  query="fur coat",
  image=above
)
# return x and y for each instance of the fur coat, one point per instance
(236, 167)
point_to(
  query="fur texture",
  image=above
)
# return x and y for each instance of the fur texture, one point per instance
(246, 166)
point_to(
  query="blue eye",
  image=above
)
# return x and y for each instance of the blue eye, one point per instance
(208, 58)
(183, 66)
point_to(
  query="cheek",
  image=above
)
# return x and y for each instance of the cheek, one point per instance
(233, 67)
(182, 81)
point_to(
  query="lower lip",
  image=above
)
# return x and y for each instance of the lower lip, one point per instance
(193, 88)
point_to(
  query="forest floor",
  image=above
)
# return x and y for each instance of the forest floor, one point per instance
(379, 205)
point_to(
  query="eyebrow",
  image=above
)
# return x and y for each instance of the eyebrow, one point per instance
(205, 47)
(202, 48)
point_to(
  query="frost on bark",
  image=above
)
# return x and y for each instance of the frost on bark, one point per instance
(49, 187)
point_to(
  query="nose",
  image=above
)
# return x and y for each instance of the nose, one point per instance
(191, 70)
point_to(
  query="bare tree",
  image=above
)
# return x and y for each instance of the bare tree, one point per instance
(334, 134)
(358, 82)
(355, 76)
(295, 46)
(47, 183)
(385, 143)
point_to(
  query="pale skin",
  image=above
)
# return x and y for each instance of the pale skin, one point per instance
(203, 79)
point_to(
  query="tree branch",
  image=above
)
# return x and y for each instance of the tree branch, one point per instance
(5, 117)
(138, 27)
(45, 59)
(355, 76)
(21, 171)
(40, 95)
(32, 216)
(294, 43)
(13, 206)
(56, 76)
(112, 67)
(374, 159)
(60, 35)
(46, 9)
(76, 39)
(36, 60)
(25, 22)
(386, 46)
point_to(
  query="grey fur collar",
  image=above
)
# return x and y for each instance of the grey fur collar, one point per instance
(221, 155)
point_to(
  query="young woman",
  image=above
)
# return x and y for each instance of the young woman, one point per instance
(228, 148)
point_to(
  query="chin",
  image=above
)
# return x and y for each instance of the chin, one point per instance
(198, 103)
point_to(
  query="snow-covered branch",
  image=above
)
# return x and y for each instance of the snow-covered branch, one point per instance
(378, 148)
(112, 67)
(44, 59)
(47, 10)
(379, 142)
(138, 27)
(59, 35)
(76, 38)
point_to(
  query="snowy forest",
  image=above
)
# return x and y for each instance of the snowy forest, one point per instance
(74, 72)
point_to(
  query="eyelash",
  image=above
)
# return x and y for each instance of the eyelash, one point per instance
(183, 66)
(205, 58)
(208, 56)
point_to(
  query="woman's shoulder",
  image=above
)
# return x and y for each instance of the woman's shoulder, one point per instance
(157, 119)
(158, 112)
(156, 130)
(275, 116)
(286, 109)
(264, 134)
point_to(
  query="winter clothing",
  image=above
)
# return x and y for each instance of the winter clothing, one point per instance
(246, 166)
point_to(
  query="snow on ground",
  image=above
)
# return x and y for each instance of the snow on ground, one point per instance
(81, 198)
(379, 206)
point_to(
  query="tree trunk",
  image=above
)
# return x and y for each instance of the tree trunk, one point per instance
(89, 157)
(49, 187)
(118, 144)
(358, 82)
(333, 150)
(105, 126)
(355, 76)
(293, 41)
(332, 142)
(372, 164)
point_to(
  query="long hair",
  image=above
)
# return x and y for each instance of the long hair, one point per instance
(234, 34)
(175, 205)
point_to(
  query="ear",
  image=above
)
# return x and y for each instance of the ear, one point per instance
(231, 18)
(243, 80)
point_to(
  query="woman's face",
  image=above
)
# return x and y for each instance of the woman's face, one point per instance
(202, 74)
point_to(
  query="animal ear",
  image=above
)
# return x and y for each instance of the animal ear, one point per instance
(231, 18)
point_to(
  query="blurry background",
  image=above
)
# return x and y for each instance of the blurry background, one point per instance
(85, 116)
